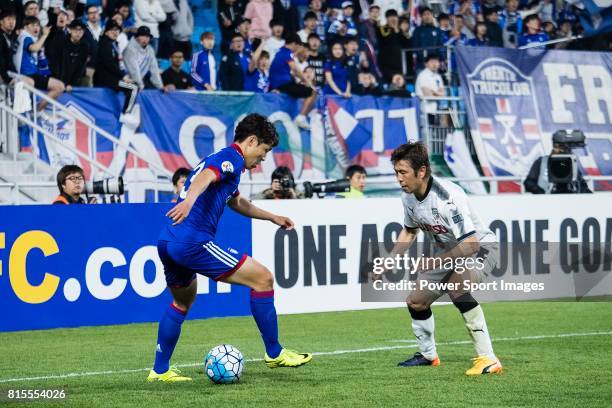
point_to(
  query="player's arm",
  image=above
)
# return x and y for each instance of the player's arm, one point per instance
(405, 239)
(245, 207)
(199, 184)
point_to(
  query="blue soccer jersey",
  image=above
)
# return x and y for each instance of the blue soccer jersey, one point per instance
(201, 224)
(189, 247)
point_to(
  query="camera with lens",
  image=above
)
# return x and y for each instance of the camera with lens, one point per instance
(337, 186)
(109, 186)
(286, 183)
(563, 168)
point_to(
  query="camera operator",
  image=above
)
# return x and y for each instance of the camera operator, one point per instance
(178, 181)
(357, 175)
(537, 181)
(282, 186)
(71, 184)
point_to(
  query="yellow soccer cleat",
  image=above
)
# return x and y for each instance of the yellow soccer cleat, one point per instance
(484, 365)
(172, 375)
(288, 358)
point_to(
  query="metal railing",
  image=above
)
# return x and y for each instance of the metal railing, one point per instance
(31, 120)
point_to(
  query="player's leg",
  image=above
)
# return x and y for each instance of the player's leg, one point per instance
(475, 322)
(183, 287)
(423, 326)
(254, 275)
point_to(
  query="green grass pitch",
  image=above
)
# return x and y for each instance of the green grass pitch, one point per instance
(554, 354)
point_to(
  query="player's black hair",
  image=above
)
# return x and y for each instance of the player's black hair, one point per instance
(180, 172)
(531, 17)
(65, 172)
(258, 125)
(415, 153)
(354, 169)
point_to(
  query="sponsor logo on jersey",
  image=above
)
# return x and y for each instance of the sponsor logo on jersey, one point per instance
(436, 229)
(457, 218)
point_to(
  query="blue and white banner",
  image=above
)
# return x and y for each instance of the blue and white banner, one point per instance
(595, 16)
(177, 129)
(516, 100)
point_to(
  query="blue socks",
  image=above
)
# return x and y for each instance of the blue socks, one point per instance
(264, 313)
(167, 337)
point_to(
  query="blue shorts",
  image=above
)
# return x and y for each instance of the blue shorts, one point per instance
(183, 260)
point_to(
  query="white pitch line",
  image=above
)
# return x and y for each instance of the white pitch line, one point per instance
(320, 353)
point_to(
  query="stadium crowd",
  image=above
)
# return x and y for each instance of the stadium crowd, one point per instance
(297, 47)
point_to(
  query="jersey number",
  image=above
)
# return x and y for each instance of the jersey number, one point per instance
(198, 170)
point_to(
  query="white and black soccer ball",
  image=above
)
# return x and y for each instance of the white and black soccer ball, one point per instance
(224, 364)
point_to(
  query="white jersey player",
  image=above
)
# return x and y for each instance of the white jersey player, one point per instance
(442, 211)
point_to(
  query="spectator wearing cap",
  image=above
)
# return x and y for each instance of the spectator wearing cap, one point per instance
(533, 34)
(286, 11)
(284, 73)
(260, 13)
(140, 60)
(310, 24)
(204, 65)
(494, 30)
(108, 73)
(316, 60)
(276, 41)
(149, 13)
(425, 36)
(391, 41)
(369, 27)
(234, 65)
(174, 78)
(345, 19)
(8, 40)
(228, 15)
(480, 36)
(69, 61)
(257, 77)
(182, 28)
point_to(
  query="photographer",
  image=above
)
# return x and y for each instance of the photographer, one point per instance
(282, 187)
(537, 181)
(356, 175)
(71, 184)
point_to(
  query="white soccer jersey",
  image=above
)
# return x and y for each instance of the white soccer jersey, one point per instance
(445, 215)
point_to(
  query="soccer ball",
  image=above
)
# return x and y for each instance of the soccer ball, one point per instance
(223, 364)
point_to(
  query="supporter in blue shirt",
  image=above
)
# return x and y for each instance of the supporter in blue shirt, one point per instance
(427, 35)
(203, 64)
(258, 77)
(444, 26)
(511, 22)
(234, 65)
(283, 74)
(336, 73)
(533, 34)
(480, 36)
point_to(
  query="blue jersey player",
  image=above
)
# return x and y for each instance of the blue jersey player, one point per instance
(187, 246)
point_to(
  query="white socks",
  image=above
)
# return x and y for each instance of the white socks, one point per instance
(424, 332)
(477, 327)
